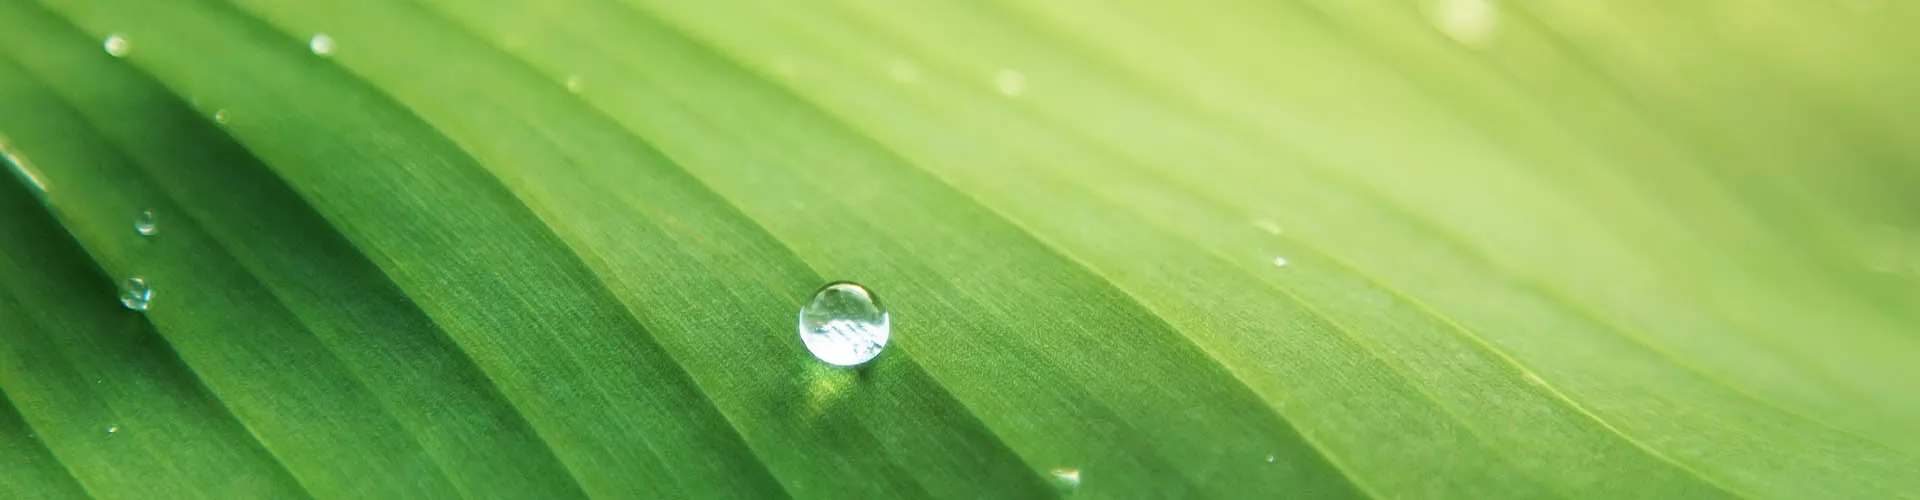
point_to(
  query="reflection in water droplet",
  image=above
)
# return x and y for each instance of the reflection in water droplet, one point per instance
(321, 44)
(116, 46)
(1470, 22)
(135, 294)
(1067, 480)
(1012, 83)
(1280, 261)
(146, 224)
(845, 324)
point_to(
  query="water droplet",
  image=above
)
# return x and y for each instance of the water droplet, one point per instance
(1272, 459)
(116, 46)
(1470, 22)
(902, 72)
(844, 324)
(135, 294)
(1067, 480)
(145, 224)
(1280, 261)
(1012, 83)
(574, 83)
(321, 44)
(113, 428)
(220, 116)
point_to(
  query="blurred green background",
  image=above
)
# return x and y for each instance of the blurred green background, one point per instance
(1133, 248)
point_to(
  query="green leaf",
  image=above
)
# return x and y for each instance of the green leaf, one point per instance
(554, 249)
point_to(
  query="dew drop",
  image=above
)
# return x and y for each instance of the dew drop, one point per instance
(116, 46)
(574, 84)
(113, 428)
(1067, 480)
(135, 294)
(220, 116)
(1272, 459)
(845, 324)
(1012, 83)
(321, 44)
(146, 224)
(1280, 262)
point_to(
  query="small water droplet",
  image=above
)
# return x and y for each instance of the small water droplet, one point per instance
(1010, 82)
(1067, 480)
(116, 46)
(1470, 22)
(1280, 261)
(146, 224)
(574, 83)
(1272, 459)
(902, 72)
(220, 116)
(845, 324)
(135, 294)
(321, 44)
(113, 428)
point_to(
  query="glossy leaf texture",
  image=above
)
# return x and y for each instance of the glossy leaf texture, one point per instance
(498, 249)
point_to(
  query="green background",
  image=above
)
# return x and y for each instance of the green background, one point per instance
(1234, 248)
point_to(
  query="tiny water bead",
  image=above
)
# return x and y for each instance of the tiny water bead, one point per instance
(145, 224)
(844, 324)
(116, 46)
(1280, 261)
(113, 428)
(135, 294)
(1272, 459)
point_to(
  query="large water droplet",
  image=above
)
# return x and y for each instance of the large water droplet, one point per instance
(145, 224)
(116, 46)
(321, 44)
(135, 294)
(845, 324)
